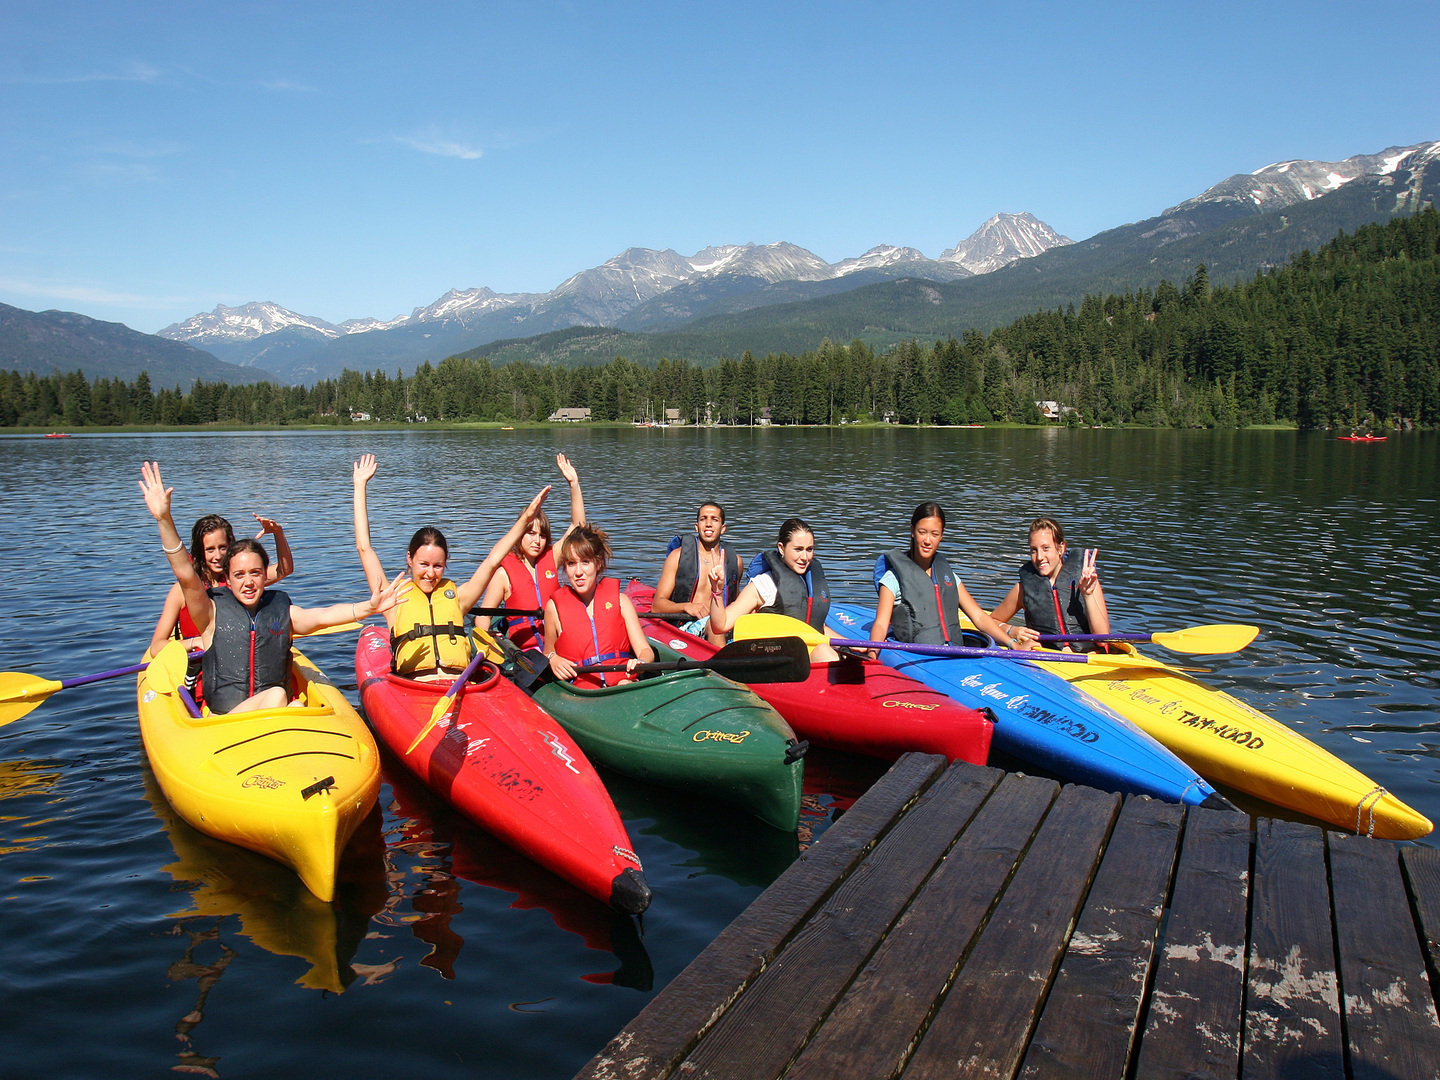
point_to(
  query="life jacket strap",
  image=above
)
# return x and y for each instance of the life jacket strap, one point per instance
(416, 632)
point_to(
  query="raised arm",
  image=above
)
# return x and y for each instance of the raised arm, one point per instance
(1095, 609)
(468, 595)
(577, 501)
(381, 600)
(157, 501)
(360, 474)
(284, 564)
(722, 619)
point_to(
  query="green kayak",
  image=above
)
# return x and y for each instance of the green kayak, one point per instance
(691, 730)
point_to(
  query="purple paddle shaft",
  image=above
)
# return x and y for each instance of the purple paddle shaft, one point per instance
(1094, 637)
(961, 651)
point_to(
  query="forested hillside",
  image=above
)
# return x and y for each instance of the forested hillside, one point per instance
(1348, 335)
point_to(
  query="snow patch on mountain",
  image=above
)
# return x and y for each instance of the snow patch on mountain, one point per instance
(1002, 240)
(244, 323)
(1285, 183)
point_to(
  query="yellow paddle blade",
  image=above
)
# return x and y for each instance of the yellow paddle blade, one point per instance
(19, 693)
(1215, 638)
(759, 625)
(441, 708)
(167, 670)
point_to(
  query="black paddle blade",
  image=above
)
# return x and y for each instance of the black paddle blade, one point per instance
(762, 660)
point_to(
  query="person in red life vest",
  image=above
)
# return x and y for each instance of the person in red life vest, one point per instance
(919, 597)
(786, 581)
(428, 639)
(245, 628)
(1059, 593)
(589, 620)
(209, 538)
(528, 576)
(685, 577)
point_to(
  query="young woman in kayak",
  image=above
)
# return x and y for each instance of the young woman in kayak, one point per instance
(527, 577)
(786, 581)
(589, 620)
(427, 631)
(246, 629)
(919, 597)
(1051, 572)
(209, 538)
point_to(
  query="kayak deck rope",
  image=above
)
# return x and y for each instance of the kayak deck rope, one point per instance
(1373, 798)
(626, 853)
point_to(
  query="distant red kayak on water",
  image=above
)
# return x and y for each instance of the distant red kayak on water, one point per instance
(58, 435)
(1361, 438)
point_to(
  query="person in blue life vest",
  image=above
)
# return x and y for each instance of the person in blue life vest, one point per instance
(787, 581)
(245, 628)
(528, 576)
(1058, 592)
(589, 620)
(428, 639)
(919, 598)
(685, 577)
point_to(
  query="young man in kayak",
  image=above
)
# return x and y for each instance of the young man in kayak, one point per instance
(589, 620)
(528, 576)
(786, 581)
(685, 577)
(919, 598)
(427, 631)
(1059, 593)
(246, 629)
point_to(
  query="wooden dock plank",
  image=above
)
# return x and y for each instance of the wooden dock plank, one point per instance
(1292, 1017)
(666, 1029)
(871, 1031)
(1422, 870)
(1390, 1020)
(1088, 1025)
(1192, 1029)
(763, 1031)
(982, 1026)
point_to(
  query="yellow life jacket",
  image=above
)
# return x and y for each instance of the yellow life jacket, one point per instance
(429, 631)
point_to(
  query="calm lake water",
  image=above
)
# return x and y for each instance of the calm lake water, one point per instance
(131, 946)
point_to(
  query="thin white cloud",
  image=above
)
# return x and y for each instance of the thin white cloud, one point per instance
(133, 72)
(431, 141)
(88, 294)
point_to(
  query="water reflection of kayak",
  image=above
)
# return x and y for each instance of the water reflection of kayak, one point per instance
(277, 912)
(462, 852)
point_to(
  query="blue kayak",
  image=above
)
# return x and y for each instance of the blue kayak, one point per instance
(1043, 720)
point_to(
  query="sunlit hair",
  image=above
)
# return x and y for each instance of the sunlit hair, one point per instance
(923, 511)
(586, 543)
(789, 527)
(701, 509)
(1042, 523)
(544, 519)
(201, 529)
(428, 535)
(239, 547)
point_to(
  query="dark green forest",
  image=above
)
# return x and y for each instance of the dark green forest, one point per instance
(1345, 336)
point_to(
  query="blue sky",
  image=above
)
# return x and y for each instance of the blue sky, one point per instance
(357, 159)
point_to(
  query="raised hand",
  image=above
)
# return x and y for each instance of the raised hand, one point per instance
(267, 525)
(384, 599)
(363, 470)
(1089, 576)
(566, 469)
(157, 495)
(534, 507)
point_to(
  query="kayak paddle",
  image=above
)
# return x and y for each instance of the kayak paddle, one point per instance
(763, 660)
(447, 699)
(1214, 638)
(20, 693)
(763, 626)
(533, 613)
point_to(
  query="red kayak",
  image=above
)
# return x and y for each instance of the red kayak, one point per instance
(504, 763)
(1361, 438)
(859, 706)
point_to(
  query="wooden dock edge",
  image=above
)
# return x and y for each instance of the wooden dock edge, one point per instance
(1125, 938)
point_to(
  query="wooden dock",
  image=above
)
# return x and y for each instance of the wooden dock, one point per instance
(965, 922)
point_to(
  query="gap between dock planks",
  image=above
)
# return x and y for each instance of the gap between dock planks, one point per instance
(968, 922)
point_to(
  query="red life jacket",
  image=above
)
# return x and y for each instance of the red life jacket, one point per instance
(600, 639)
(529, 592)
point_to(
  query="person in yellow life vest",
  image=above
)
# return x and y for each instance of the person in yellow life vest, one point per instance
(427, 630)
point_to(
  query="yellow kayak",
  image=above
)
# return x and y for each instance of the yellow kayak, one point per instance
(1228, 742)
(293, 784)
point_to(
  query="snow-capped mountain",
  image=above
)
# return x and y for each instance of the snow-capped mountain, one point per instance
(1002, 240)
(1288, 182)
(244, 323)
(882, 255)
